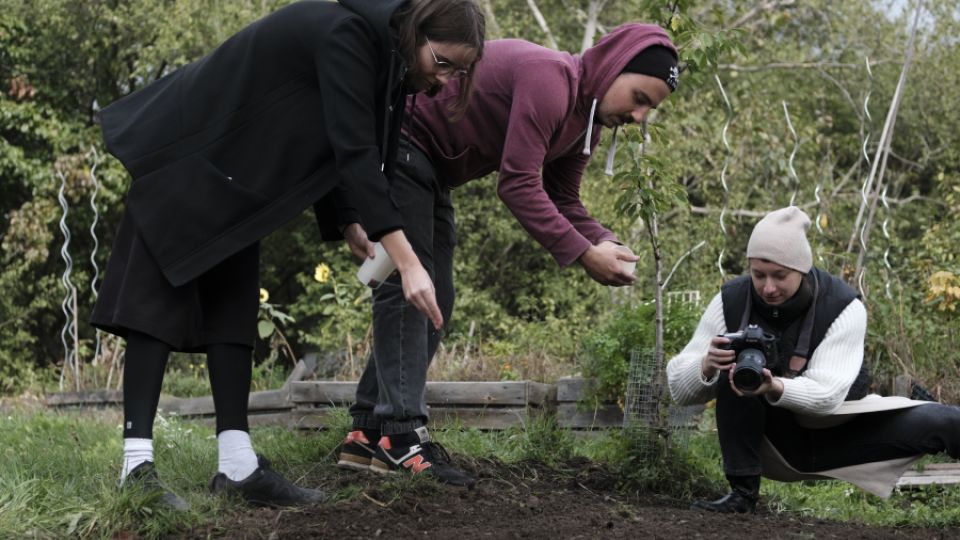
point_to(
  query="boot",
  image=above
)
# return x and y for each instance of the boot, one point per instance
(742, 499)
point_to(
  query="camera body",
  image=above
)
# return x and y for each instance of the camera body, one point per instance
(755, 350)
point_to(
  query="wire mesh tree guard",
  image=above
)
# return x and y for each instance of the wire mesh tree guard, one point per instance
(655, 423)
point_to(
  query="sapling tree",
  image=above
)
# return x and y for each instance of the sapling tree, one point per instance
(650, 181)
(651, 189)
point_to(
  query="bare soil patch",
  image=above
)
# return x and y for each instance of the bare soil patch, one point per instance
(527, 500)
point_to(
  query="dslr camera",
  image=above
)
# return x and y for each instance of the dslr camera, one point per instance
(755, 350)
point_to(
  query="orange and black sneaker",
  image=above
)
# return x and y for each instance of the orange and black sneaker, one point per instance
(415, 452)
(356, 451)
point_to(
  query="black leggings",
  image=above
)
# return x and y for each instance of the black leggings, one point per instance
(742, 422)
(230, 368)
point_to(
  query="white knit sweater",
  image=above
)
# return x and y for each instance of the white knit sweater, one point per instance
(819, 391)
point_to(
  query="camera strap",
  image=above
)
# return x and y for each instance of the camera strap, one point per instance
(802, 351)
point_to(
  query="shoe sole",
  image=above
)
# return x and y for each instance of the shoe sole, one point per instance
(380, 467)
(353, 463)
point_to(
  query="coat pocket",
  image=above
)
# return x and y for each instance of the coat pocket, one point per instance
(183, 206)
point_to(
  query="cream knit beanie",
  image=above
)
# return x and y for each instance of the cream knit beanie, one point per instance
(781, 237)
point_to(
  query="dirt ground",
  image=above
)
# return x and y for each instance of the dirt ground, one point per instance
(522, 501)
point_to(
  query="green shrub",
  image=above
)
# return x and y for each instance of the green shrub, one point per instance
(605, 352)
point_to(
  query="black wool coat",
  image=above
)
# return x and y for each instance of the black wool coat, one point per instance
(303, 107)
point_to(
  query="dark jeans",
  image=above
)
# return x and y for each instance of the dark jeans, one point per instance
(743, 421)
(390, 394)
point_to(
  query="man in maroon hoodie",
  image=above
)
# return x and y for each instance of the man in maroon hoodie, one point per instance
(532, 116)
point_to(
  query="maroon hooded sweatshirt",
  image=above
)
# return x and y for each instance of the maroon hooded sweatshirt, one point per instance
(531, 111)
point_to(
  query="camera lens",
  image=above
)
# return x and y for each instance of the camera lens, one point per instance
(748, 375)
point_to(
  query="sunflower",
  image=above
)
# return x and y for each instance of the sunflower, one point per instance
(321, 273)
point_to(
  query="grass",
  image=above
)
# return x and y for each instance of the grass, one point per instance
(927, 506)
(539, 440)
(59, 470)
(58, 473)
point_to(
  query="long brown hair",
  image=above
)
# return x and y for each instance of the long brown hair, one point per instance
(453, 21)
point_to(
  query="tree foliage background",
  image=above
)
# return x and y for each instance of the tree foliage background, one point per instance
(60, 60)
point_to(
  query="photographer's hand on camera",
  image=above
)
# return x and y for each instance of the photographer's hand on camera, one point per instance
(771, 386)
(717, 359)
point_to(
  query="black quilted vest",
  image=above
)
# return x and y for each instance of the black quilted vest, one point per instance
(833, 296)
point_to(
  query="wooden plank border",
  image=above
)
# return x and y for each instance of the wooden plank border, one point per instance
(482, 404)
(932, 474)
(93, 397)
(503, 393)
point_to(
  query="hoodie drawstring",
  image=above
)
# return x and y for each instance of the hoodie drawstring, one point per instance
(389, 112)
(586, 142)
(408, 119)
(611, 153)
(613, 144)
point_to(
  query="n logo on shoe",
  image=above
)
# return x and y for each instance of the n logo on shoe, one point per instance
(416, 463)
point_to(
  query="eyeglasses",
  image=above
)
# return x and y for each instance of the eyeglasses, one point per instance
(445, 68)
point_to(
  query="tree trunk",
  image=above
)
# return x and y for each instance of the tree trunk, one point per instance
(590, 26)
(552, 43)
(883, 151)
(493, 27)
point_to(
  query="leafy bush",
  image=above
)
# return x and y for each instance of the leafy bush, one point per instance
(332, 309)
(605, 353)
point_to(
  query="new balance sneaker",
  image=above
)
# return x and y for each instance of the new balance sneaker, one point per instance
(424, 456)
(356, 451)
(144, 478)
(265, 487)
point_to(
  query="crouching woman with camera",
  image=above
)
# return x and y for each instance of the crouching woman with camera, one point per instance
(781, 351)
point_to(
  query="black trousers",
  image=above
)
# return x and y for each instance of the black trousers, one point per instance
(390, 394)
(742, 422)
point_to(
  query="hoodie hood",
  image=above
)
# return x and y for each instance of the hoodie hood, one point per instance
(601, 64)
(378, 13)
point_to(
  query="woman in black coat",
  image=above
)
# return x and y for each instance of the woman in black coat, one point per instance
(301, 108)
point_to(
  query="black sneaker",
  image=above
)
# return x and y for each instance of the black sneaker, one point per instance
(144, 478)
(265, 487)
(427, 457)
(356, 452)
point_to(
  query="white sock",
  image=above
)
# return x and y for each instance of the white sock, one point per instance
(135, 452)
(237, 459)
